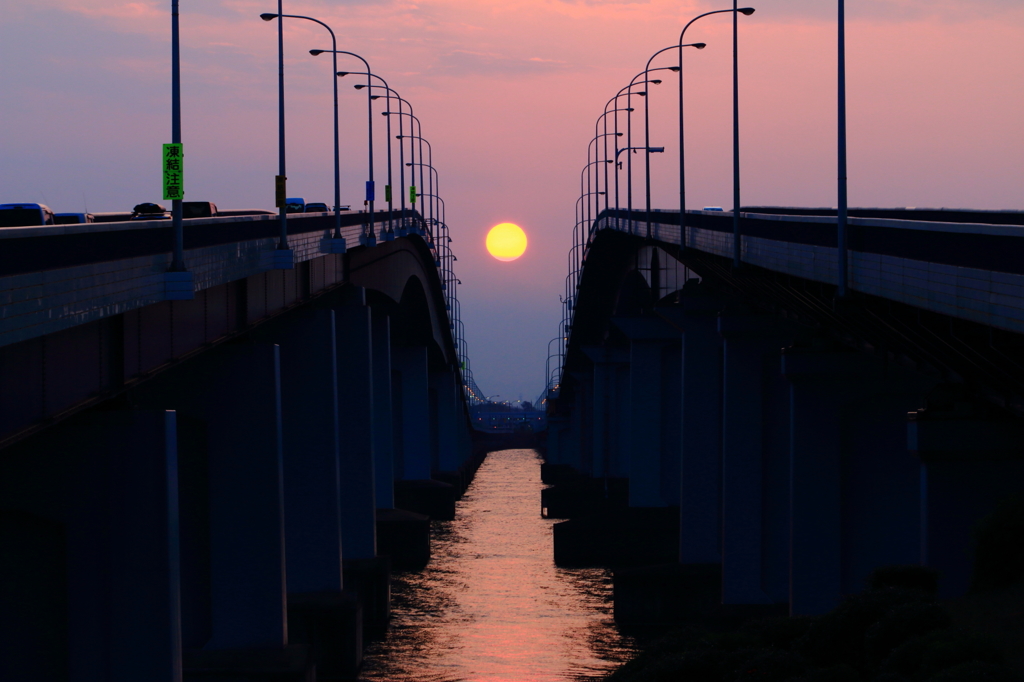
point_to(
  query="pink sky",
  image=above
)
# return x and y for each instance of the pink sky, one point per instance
(508, 93)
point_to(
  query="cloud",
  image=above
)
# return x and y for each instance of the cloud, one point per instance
(466, 62)
(878, 11)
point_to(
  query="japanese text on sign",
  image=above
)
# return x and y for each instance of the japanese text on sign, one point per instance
(173, 169)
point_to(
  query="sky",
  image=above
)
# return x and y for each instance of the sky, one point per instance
(508, 94)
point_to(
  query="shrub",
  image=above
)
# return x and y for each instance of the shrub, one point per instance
(835, 673)
(976, 672)
(764, 664)
(900, 624)
(922, 657)
(838, 637)
(999, 546)
(780, 633)
(905, 577)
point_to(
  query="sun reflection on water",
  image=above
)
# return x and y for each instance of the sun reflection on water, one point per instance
(491, 606)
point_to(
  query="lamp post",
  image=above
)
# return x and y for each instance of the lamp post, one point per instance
(746, 11)
(178, 260)
(841, 217)
(647, 121)
(412, 148)
(337, 158)
(603, 119)
(431, 190)
(282, 244)
(368, 238)
(389, 234)
(649, 150)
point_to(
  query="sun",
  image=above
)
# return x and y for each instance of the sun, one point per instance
(506, 241)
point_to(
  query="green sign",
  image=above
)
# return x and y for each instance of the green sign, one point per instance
(412, 194)
(173, 169)
(387, 193)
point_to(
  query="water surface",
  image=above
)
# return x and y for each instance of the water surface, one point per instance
(492, 605)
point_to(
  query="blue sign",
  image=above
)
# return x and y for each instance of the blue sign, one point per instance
(369, 190)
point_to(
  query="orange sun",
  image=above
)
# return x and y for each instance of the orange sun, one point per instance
(506, 241)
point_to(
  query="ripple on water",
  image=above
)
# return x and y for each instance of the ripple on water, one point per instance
(492, 605)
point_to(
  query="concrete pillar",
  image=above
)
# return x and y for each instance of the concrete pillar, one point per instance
(611, 396)
(653, 462)
(90, 571)
(235, 392)
(700, 468)
(750, 356)
(356, 403)
(971, 459)
(383, 428)
(775, 487)
(853, 489)
(312, 481)
(816, 478)
(449, 412)
(411, 363)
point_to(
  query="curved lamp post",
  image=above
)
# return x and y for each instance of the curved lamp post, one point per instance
(368, 238)
(647, 121)
(747, 11)
(337, 158)
(282, 244)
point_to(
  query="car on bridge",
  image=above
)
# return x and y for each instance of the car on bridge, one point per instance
(73, 218)
(150, 211)
(294, 205)
(316, 207)
(198, 209)
(25, 215)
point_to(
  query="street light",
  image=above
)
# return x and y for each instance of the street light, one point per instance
(746, 11)
(841, 214)
(368, 238)
(386, 234)
(647, 121)
(412, 148)
(282, 244)
(337, 158)
(178, 260)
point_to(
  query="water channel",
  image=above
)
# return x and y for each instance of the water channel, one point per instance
(491, 605)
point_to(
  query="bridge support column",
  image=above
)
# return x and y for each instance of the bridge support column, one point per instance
(415, 490)
(610, 419)
(451, 466)
(90, 567)
(701, 467)
(320, 615)
(383, 427)
(238, 555)
(969, 463)
(365, 574)
(750, 359)
(816, 383)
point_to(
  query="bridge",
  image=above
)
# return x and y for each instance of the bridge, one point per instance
(214, 471)
(725, 430)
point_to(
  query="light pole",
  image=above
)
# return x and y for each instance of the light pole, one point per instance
(178, 260)
(647, 121)
(368, 238)
(746, 11)
(282, 244)
(389, 234)
(841, 218)
(412, 147)
(337, 159)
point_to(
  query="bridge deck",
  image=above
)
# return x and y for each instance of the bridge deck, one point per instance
(972, 271)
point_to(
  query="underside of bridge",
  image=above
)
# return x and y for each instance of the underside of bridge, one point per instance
(222, 484)
(743, 431)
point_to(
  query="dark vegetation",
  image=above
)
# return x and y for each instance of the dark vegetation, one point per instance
(894, 631)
